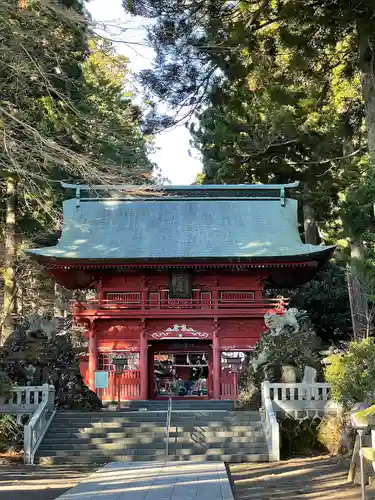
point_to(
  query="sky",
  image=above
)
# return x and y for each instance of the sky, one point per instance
(172, 155)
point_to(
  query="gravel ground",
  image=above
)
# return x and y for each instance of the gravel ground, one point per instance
(318, 478)
(19, 482)
(313, 478)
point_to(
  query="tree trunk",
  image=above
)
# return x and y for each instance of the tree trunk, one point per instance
(10, 288)
(367, 75)
(309, 224)
(359, 299)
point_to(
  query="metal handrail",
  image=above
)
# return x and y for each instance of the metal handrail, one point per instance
(168, 424)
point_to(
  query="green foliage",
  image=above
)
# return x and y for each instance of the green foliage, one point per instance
(352, 374)
(365, 417)
(276, 92)
(248, 395)
(66, 113)
(297, 349)
(299, 437)
(5, 385)
(327, 301)
(54, 362)
(66, 108)
(115, 134)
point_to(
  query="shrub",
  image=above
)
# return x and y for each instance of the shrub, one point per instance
(248, 396)
(5, 385)
(331, 433)
(11, 434)
(299, 437)
(352, 374)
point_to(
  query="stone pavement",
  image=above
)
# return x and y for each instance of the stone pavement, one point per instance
(155, 481)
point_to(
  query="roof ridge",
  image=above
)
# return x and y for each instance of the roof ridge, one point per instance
(171, 187)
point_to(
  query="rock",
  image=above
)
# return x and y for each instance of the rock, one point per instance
(309, 375)
(289, 374)
(38, 360)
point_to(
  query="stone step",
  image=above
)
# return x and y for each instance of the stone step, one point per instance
(111, 454)
(174, 422)
(100, 459)
(100, 437)
(178, 404)
(112, 421)
(152, 433)
(52, 441)
(185, 413)
(173, 449)
(153, 418)
(175, 437)
(131, 443)
(150, 427)
(158, 452)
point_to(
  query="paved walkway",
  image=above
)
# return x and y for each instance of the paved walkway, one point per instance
(155, 481)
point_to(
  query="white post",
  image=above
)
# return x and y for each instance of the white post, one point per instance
(18, 397)
(27, 444)
(275, 440)
(266, 392)
(361, 464)
(51, 397)
(45, 392)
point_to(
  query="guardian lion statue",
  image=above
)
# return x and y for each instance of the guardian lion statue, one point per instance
(42, 327)
(277, 322)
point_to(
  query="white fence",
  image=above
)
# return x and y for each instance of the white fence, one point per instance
(39, 423)
(23, 399)
(39, 401)
(291, 399)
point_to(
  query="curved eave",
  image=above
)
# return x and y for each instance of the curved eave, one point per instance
(283, 272)
(319, 256)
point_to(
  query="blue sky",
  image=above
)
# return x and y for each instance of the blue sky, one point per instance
(173, 145)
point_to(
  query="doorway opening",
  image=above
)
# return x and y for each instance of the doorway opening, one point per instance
(181, 370)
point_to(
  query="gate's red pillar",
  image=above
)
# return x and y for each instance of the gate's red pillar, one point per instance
(93, 356)
(216, 361)
(143, 365)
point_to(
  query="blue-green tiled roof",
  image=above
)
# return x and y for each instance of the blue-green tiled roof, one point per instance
(164, 228)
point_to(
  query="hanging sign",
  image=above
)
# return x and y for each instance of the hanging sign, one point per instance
(101, 380)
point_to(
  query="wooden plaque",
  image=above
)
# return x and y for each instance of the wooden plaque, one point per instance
(180, 286)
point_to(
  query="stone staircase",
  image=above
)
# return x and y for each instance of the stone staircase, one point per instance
(178, 405)
(213, 432)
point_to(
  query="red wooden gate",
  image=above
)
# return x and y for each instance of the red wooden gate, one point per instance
(130, 386)
(228, 385)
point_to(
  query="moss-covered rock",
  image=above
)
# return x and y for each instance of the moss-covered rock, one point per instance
(37, 360)
(299, 437)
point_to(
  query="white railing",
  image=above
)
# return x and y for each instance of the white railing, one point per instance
(293, 398)
(271, 429)
(168, 425)
(39, 423)
(23, 399)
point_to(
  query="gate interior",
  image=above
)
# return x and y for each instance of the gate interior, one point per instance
(181, 369)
